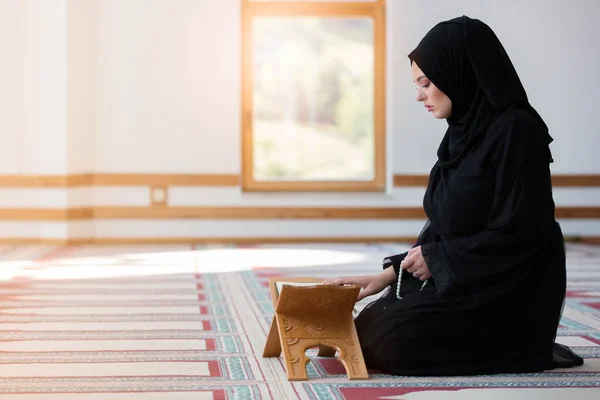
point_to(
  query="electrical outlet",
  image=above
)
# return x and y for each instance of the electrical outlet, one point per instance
(158, 195)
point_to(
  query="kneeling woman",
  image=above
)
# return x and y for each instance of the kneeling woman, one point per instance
(482, 290)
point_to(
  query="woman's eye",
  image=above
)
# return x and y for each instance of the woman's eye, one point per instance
(425, 85)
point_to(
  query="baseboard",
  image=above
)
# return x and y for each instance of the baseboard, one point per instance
(245, 213)
(118, 179)
(34, 241)
(558, 180)
(221, 180)
(589, 240)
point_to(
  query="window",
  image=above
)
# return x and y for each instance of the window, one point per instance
(313, 95)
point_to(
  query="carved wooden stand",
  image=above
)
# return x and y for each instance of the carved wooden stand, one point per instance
(314, 316)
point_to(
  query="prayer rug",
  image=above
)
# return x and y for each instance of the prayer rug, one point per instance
(182, 322)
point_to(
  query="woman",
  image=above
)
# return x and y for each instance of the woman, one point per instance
(482, 290)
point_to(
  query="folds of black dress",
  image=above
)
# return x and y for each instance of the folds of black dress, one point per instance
(491, 242)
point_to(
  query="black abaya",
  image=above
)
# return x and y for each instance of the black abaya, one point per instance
(494, 301)
(493, 247)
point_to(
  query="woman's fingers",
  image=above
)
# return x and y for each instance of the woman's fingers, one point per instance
(367, 290)
(406, 263)
(415, 264)
(410, 265)
(422, 273)
(418, 269)
(414, 250)
(347, 280)
(362, 294)
(358, 281)
(336, 281)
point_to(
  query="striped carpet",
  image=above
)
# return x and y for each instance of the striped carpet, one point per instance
(182, 322)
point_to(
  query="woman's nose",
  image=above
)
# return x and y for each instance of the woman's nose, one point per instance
(420, 96)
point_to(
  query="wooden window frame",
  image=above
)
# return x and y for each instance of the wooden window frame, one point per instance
(374, 9)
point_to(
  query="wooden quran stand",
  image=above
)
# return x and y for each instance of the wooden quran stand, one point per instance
(314, 316)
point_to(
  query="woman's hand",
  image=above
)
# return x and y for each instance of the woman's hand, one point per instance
(370, 284)
(415, 264)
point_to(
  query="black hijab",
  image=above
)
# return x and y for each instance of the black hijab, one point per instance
(465, 60)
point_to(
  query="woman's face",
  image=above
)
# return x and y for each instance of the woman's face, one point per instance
(434, 99)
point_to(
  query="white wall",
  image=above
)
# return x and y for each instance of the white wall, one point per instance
(169, 80)
(43, 86)
(552, 44)
(153, 86)
(9, 84)
(33, 79)
(81, 108)
(168, 86)
(81, 85)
